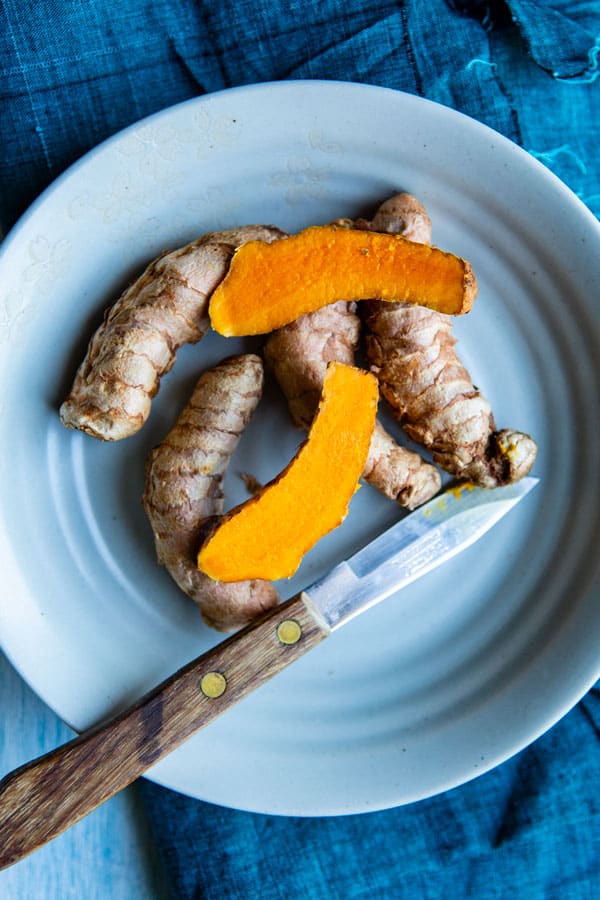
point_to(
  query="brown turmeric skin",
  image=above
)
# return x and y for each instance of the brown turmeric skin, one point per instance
(269, 285)
(412, 352)
(267, 536)
(166, 307)
(183, 490)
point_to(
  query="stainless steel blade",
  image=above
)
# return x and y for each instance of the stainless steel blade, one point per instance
(414, 546)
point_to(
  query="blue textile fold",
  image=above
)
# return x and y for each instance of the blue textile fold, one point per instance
(528, 829)
(72, 74)
(558, 41)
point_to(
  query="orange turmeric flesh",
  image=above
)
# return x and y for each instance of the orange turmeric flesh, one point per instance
(269, 285)
(267, 536)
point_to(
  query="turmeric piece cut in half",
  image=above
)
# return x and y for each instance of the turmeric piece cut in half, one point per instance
(269, 285)
(267, 536)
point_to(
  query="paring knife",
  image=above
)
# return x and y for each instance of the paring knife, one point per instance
(43, 798)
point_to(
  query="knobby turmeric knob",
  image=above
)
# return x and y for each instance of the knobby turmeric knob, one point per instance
(136, 344)
(412, 350)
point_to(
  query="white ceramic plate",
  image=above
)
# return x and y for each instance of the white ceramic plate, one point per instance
(460, 670)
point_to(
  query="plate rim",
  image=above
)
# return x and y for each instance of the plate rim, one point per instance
(314, 84)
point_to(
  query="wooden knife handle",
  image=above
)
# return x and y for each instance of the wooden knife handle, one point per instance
(41, 799)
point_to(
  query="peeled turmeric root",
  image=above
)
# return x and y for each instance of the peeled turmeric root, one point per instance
(183, 488)
(267, 536)
(269, 285)
(299, 353)
(412, 351)
(167, 306)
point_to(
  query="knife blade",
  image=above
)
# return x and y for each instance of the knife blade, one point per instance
(41, 799)
(420, 542)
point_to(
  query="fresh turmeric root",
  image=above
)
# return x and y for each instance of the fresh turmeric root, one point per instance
(269, 285)
(267, 536)
(412, 352)
(299, 354)
(167, 306)
(183, 489)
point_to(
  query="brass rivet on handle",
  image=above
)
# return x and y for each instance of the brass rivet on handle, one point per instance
(289, 631)
(213, 684)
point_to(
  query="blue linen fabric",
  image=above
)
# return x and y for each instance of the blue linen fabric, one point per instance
(73, 73)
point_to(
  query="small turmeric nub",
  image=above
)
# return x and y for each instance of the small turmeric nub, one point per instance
(269, 285)
(270, 533)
